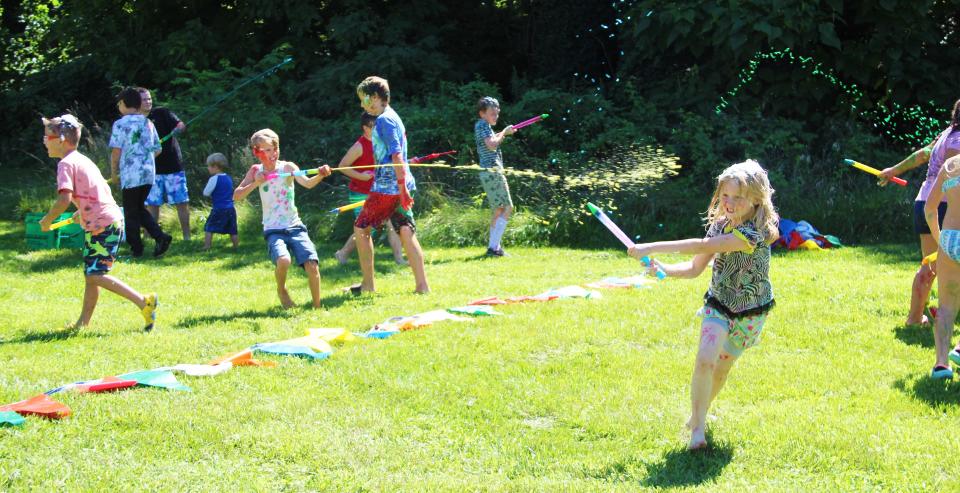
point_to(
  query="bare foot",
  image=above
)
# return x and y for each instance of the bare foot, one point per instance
(698, 439)
(422, 291)
(285, 300)
(401, 261)
(341, 258)
(923, 321)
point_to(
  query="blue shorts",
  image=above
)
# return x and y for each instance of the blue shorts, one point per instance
(281, 241)
(222, 221)
(919, 219)
(169, 189)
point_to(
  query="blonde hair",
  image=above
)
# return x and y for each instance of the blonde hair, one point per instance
(265, 135)
(67, 127)
(755, 186)
(219, 160)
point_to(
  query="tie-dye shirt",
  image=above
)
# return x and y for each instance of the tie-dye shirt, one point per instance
(390, 137)
(741, 280)
(949, 139)
(277, 199)
(137, 139)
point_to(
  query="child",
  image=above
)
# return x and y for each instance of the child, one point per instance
(282, 227)
(493, 181)
(79, 181)
(390, 196)
(948, 270)
(135, 144)
(223, 217)
(171, 180)
(361, 154)
(741, 225)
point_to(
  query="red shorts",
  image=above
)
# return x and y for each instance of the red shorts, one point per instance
(380, 207)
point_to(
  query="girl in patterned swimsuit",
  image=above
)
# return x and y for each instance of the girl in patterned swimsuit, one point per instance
(948, 269)
(741, 224)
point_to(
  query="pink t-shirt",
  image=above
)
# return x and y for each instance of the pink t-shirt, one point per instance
(91, 194)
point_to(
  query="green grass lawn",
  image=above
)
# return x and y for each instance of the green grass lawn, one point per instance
(573, 395)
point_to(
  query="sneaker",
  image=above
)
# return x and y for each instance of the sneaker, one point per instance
(955, 356)
(162, 245)
(941, 373)
(494, 252)
(501, 253)
(149, 311)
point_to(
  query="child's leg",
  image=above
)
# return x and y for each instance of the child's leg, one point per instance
(922, 282)
(948, 281)
(131, 219)
(344, 253)
(313, 276)
(154, 211)
(396, 245)
(280, 273)
(208, 238)
(364, 243)
(183, 213)
(415, 255)
(91, 294)
(235, 240)
(713, 333)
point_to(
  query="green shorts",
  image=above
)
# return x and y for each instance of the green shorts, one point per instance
(495, 185)
(742, 333)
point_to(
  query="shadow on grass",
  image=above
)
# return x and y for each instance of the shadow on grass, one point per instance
(898, 253)
(51, 335)
(915, 335)
(678, 468)
(934, 393)
(274, 312)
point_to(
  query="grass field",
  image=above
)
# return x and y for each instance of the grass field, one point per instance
(573, 395)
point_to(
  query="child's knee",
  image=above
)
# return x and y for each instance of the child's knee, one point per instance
(705, 363)
(312, 267)
(283, 262)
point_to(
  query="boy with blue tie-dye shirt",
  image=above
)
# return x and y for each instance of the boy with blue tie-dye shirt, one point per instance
(391, 195)
(134, 146)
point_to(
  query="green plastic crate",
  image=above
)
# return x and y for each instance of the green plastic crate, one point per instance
(72, 236)
(42, 240)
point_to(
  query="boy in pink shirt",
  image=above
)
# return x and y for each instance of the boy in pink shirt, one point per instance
(79, 182)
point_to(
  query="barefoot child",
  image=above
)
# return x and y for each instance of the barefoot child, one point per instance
(223, 216)
(79, 181)
(948, 270)
(493, 181)
(741, 225)
(361, 154)
(282, 228)
(390, 196)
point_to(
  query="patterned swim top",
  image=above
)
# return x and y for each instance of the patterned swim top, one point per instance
(741, 279)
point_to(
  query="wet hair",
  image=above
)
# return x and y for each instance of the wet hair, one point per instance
(264, 136)
(67, 127)
(375, 85)
(755, 186)
(486, 103)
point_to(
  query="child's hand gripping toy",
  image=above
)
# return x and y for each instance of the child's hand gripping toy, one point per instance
(599, 214)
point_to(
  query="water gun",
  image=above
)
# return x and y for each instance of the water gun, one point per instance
(599, 214)
(430, 157)
(299, 172)
(529, 122)
(873, 171)
(60, 224)
(929, 259)
(348, 207)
